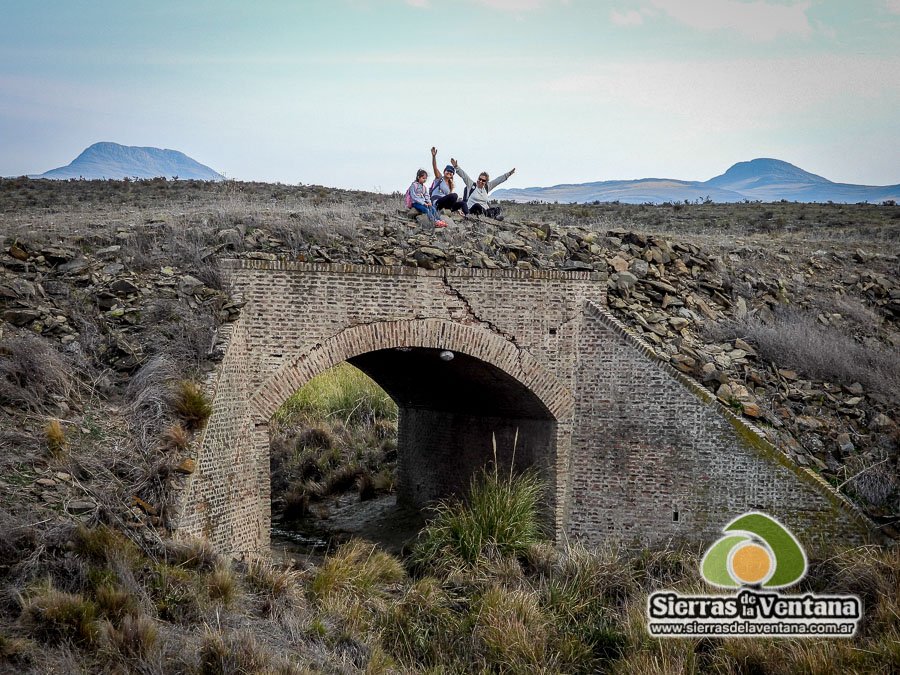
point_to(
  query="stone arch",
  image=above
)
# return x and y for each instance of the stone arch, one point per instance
(429, 333)
(542, 444)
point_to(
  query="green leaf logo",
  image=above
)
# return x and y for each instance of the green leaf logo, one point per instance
(756, 550)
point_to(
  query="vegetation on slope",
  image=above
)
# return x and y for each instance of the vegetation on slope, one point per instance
(111, 295)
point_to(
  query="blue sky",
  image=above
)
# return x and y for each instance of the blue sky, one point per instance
(353, 93)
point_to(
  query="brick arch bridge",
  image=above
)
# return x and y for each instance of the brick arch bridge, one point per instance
(629, 447)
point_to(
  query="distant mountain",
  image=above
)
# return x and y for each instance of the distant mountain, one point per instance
(766, 180)
(111, 160)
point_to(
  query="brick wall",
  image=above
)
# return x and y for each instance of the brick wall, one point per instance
(630, 447)
(656, 458)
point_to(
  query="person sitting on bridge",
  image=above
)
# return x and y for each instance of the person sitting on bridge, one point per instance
(417, 197)
(477, 202)
(442, 194)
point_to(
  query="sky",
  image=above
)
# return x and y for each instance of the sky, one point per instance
(354, 93)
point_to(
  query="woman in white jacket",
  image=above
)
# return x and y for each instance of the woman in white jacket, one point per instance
(477, 203)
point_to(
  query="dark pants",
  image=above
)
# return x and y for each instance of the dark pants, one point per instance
(478, 209)
(450, 201)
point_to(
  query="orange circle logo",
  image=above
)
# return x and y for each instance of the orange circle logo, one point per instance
(750, 563)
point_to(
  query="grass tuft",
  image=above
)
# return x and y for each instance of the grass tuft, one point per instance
(56, 437)
(240, 653)
(358, 567)
(221, 584)
(54, 615)
(191, 404)
(193, 554)
(134, 637)
(176, 437)
(500, 515)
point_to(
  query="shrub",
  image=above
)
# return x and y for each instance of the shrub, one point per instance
(56, 437)
(32, 373)
(500, 514)
(192, 405)
(315, 437)
(797, 340)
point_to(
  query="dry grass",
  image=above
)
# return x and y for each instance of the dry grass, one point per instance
(33, 373)
(356, 567)
(499, 515)
(54, 615)
(221, 584)
(797, 340)
(133, 637)
(56, 438)
(191, 405)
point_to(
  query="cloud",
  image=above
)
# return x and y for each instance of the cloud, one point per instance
(757, 20)
(513, 5)
(629, 18)
(893, 6)
(737, 94)
(417, 3)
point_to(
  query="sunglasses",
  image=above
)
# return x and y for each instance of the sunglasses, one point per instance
(482, 180)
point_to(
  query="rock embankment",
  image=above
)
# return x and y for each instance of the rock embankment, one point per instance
(704, 306)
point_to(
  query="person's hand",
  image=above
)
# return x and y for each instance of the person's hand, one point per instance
(512, 171)
(454, 163)
(433, 151)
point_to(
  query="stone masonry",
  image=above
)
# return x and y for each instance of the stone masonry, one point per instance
(629, 447)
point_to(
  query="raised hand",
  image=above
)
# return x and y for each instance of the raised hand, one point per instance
(433, 151)
(454, 163)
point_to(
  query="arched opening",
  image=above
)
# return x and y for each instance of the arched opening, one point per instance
(456, 413)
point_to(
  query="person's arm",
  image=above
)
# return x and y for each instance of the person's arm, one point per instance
(499, 179)
(437, 174)
(466, 180)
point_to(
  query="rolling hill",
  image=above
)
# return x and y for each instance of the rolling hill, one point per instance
(763, 179)
(111, 160)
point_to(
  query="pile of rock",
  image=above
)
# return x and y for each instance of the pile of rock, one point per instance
(58, 292)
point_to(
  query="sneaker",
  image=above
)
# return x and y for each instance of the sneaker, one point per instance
(439, 223)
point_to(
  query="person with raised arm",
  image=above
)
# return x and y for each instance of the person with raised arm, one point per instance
(477, 202)
(443, 195)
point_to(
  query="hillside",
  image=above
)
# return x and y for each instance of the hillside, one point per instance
(766, 180)
(111, 295)
(111, 160)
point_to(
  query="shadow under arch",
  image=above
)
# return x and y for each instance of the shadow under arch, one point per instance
(450, 409)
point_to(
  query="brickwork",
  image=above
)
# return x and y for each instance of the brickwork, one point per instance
(662, 460)
(630, 448)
